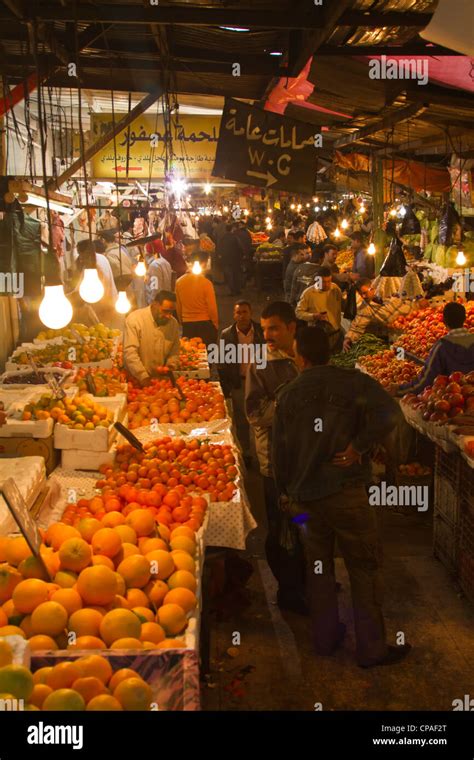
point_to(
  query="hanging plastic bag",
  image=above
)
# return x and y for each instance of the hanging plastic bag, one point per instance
(449, 218)
(410, 224)
(395, 264)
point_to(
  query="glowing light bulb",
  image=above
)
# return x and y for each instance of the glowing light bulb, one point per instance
(393, 212)
(122, 304)
(179, 186)
(337, 233)
(307, 205)
(315, 199)
(270, 211)
(371, 249)
(298, 208)
(362, 209)
(292, 207)
(316, 208)
(268, 220)
(140, 269)
(91, 289)
(207, 188)
(55, 310)
(269, 226)
(196, 268)
(225, 209)
(461, 259)
(325, 208)
(344, 224)
(246, 211)
(402, 211)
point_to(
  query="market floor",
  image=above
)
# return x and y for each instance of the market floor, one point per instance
(274, 668)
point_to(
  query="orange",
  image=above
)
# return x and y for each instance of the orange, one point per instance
(127, 534)
(64, 699)
(128, 550)
(12, 630)
(39, 694)
(99, 559)
(184, 543)
(144, 614)
(96, 504)
(164, 531)
(89, 687)
(3, 618)
(183, 530)
(135, 570)
(142, 521)
(65, 578)
(85, 622)
(25, 626)
(127, 642)
(63, 675)
(106, 541)
(95, 665)
(137, 598)
(158, 592)
(163, 565)
(9, 579)
(58, 533)
(29, 594)
(183, 561)
(4, 541)
(112, 504)
(50, 559)
(172, 618)
(41, 675)
(13, 614)
(87, 527)
(49, 618)
(152, 632)
(104, 702)
(183, 597)
(182, 579)
(113, 520)
(69, 598)
(17, 550)
(150, 544)
(134, 694)
(119, 624)
(171, 644)
(119, 601)
(121, 675)
(98, 584)
(75, 554)
(87, 642)
(31, 567)
(37, 643)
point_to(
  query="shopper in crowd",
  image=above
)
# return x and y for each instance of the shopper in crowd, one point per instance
(300, 253)
(117, 254)
(278, 323)
(174, 255)
(230, 252)
(363, 263)
(156, 245)
(453, 352)
(297, 236)
(151, 338)
(159, 275)
(321, 303)
(304, 275)
(219, 228)
(196, 304)
(245, 239)
(243, 331)
(326, 421)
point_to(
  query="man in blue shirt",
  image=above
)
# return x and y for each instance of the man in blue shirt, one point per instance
(452, 353)
(363, 263)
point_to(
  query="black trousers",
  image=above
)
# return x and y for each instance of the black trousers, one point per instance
(204, 330)
(287, 567)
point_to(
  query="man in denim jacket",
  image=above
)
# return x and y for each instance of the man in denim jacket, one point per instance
(326, 421)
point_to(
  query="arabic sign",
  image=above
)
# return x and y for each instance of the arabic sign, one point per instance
(194, 140)
(262, 148)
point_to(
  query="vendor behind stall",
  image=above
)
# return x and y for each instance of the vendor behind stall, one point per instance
(452, 353)
(151, 338)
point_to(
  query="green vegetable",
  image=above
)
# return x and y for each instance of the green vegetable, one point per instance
(367, 344)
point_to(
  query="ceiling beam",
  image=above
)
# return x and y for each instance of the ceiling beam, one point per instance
(410, 48)
(308, 42)
(373, 20)
(118, 65)
(390, 120)
(140, 108)
(437, 95)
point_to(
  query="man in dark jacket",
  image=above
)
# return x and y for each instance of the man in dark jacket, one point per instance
(243, 332)
(230, 252)
(452, 353)
(278, 323)
(326, 421)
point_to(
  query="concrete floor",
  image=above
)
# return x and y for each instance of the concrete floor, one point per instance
(275, 668)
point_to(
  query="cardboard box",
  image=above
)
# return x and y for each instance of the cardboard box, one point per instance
(76, 459)
(101, 438)
(31, 447)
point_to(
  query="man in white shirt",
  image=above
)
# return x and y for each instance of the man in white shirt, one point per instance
(159, 276)
(117, 254)
(321, 303)
(152, 338)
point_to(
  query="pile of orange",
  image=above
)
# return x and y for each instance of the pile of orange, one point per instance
(199, 401)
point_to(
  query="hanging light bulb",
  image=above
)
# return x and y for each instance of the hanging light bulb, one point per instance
(316, 208)
(292, 207)
(270, 211)
(362, 209)
(55, 310)
(325, 208)
(91, 289)
(140, 269)
(402, 211)
(207, 188)
(371, 249)
(225, 209)
(461, 259)
(298, 208)
(269, 226)
(337, 233)
(315, 199)
(122, 304)
(307, 205)
(393, 212)
(196, 268)
(344, 224)
(268, 220)
(246, 211)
